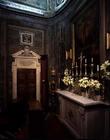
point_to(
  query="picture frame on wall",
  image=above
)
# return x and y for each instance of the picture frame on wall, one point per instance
(26, 38)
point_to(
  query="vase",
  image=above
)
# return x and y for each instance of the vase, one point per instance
(86, 94)
(91, 93)
(82, 92)
(69, 88)
(97, 95)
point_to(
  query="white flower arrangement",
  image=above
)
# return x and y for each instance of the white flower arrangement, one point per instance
(84, 82)
(105, 69)
(94, 84)
(68, 79)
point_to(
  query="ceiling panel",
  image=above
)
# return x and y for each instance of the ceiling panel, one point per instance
(42, 7)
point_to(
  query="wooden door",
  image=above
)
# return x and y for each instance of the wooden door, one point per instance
(44, 81)
(26, 84)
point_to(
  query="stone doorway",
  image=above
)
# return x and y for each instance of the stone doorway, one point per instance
(25, 63)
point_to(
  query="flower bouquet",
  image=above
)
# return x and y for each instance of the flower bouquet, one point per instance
(84, 84)
(94, 84)
(105, 70)
(90, 86)
(105, 75)
(68, 79)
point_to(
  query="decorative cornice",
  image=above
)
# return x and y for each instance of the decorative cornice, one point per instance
(22, 54)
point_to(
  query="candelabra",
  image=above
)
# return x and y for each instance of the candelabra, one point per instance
(77, 71)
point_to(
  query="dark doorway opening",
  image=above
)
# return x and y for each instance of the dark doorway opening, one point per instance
(26, 84)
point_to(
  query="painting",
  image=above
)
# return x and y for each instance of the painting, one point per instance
(87, 33)
(26, 38)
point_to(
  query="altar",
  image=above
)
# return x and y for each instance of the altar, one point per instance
(85, 118)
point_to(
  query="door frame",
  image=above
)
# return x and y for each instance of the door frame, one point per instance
(26, 62)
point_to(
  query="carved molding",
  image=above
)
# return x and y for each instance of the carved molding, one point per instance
(25, 62)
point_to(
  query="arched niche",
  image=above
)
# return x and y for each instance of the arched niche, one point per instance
(26, 59)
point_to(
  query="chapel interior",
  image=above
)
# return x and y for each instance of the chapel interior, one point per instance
(47, 48)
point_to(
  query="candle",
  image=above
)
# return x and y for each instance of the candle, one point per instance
(92, 60)
(85, 60)
(97, 67)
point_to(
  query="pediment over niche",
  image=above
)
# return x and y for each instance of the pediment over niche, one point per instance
(26, 53)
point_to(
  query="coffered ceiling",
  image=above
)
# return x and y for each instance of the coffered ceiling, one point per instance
(46, 8)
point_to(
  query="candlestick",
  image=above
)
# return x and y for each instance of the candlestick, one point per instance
(76, 69)
(92, 65)
(81, 67)
(85, 65)
(85, 69)
(72, 70)
(81, 62)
